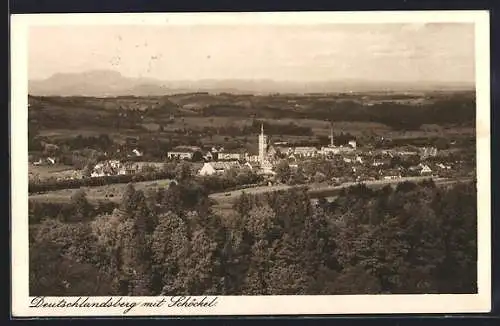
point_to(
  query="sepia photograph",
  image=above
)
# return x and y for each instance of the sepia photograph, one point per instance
(206, 158)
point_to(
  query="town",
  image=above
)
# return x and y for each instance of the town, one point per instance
(350, 161)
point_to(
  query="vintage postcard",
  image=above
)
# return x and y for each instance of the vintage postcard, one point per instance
(250, 163)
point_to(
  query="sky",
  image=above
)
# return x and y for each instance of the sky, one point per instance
(441, 52)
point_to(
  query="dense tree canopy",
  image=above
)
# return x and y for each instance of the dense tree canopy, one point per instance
(416, 238)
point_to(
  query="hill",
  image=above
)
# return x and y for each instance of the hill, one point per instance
(108, 83)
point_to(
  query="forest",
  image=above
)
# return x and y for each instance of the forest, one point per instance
(414, 238)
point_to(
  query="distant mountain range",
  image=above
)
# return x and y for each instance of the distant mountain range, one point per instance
(106, 83)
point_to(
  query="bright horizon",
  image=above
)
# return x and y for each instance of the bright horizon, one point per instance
(433, 52)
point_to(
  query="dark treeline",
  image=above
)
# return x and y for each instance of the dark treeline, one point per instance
(417, 238)
(401, 116)
(102, 142)
(77, 210)
(455, 110)
(270, 129)
(277, 129)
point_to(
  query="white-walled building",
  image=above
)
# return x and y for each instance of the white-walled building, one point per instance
(428, 152)
(425, 169)
(230, 156)
(137, 152)
(211, 168)
(305, 151)
(183, 152)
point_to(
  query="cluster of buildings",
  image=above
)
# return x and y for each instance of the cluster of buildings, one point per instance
(217, 160)
(115, 167)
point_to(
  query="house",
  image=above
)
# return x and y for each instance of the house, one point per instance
(407, 153)
(329, 150)
(129, 168)
(271, 151)
(428, 152)
(230, 156)
(392, 174)
(106, 168)
(217, 150)
(248, 165)
(137, 152)
(251, 158)
(208, 169)
(39, 162)
(442, 166)
(284, 150)
(183, 152)
(211, 168)
(305, 151)
(425, 169)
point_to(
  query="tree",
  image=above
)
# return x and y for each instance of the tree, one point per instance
(52, 274)
(232, 175)
(283, 171)
(105, 230)
(87, 170)
(183, 172)
(169, 167)
(66, 260)
(82, 207)
(197, 157)
(242, 205)
(201, 268)
(297, 177)
(355, 280)
(260, 222)
(170, 246)
(135, 270)
(256, 280)
(127, 204)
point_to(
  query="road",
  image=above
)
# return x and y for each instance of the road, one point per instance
(322, 190)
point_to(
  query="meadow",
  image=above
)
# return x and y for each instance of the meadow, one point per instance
(111, 192)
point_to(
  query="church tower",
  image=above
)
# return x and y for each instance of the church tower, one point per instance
(262, 145)
(331, 136)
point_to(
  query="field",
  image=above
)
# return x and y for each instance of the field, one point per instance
(353, 113)
(112, 192)
(50, 171)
